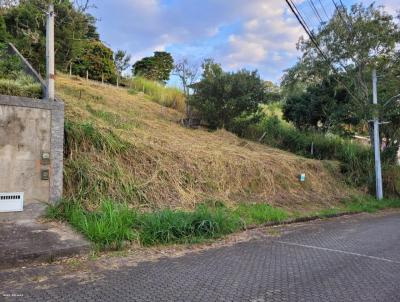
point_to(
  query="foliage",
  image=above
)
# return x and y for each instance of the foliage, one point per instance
(25, 26)
(22, 86)
(97, 59)
(273, 92)
(355, 41)
(167, 226)
(358, 204)
(165, 96)
(108, 227)
(356, 160)
(156, 68)
(260, 213)
(13, 80)
(113, 223)
(121, 62)
(10, 65)
(323, 106)
(220, 97)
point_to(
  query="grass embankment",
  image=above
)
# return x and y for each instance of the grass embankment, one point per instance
(129, 149)
(113, 224)
(132, 173)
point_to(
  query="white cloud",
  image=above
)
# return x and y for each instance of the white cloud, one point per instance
(263, 30)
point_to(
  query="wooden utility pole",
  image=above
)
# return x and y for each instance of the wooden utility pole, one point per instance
(50, 71)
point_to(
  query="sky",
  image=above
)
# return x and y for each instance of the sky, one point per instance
(251, 34)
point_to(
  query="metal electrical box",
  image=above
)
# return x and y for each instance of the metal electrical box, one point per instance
(12, 202)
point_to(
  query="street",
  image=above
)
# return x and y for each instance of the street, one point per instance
(353, 258)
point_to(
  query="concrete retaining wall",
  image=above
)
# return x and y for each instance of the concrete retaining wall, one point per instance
(30, 129)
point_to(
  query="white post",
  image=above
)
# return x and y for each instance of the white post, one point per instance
(377, 151)
(50, 74)
(87, 75)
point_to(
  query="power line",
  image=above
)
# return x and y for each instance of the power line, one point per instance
(323, 8)
(298, 16)
(311, 3)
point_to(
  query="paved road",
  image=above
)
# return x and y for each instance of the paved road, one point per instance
(346, 259)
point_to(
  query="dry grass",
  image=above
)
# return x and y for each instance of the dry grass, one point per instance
(166, 165)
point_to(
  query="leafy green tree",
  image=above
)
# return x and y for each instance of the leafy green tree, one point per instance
(25, 27)
(324, 106)
(355, 41)
(121, 62)
(156, 68)
(98, 60)
(220, 97)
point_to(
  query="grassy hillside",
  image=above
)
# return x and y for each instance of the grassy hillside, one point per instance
(126, 147)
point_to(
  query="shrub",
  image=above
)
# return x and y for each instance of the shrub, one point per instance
(220, 97)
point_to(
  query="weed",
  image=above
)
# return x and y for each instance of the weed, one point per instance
(167, 226)
(108, 227)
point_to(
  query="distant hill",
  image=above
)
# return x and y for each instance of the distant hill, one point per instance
(126, 147)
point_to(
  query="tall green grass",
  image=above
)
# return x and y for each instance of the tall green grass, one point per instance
(108, 227)
(167, 226)
(22, 86)
(113, 223)
(165, 96)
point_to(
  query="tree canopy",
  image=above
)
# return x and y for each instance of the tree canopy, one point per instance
(156, 68)
(25, 26)
(334, 88)
(220, 96)
(97, 59)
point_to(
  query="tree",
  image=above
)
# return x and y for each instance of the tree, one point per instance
(188, 73)
(272, 91)
(355, 42)
(220, 97)
(25, 27)
(121, 61)
(323, 106)
(97, 59)
(156, 68)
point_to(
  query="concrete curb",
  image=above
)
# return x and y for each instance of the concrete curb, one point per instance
(47, 256)
(301, 219)
(30, 242)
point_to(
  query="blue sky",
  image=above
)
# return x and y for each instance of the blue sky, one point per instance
(252, 34)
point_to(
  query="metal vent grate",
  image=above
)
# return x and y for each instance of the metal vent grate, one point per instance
(11, 202)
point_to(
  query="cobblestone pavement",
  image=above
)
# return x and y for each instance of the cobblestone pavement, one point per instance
(345, 259)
